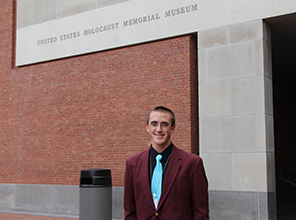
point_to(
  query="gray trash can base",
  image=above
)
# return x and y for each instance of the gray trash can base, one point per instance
(95, 195)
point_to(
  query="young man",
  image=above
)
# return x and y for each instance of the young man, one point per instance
(165, 182)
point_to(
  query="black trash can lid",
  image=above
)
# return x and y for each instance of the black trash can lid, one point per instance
(95, 177)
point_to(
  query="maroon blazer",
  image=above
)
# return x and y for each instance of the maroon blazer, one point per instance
(184, 193)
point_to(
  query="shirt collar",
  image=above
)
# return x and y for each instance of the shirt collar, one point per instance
(165, 154)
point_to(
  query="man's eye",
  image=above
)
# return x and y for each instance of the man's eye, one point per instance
(165, 124)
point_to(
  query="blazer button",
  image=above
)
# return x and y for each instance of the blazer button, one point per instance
(156, 214)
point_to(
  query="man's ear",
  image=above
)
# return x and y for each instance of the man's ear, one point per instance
(147, 128)
(173, 128)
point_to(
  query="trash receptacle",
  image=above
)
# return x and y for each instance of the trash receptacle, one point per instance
(95, 195)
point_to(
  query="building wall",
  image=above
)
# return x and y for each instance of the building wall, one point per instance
(236, 120)
(84, 112)
(62, 116)
(89, 111)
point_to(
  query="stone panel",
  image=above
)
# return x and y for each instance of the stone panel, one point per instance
(263, 204)
(55, 200)
(215, 99)
(21, 1)
(7, 196)
(272, 206)
(263, 55)
(230, 61)
(71, 7)
(269, 133)
(102, 3)
(35, 198)
(245, 31)
(203, 128)
(266, 32)
(213, 37)
(267, 59)
(227, 205)
(271, 174)
(117, 202)
(232, 134)
(35, 11)
(218, 170)
(32, 12)
(65, 199)
(258, 57)
(267, 206)
(262, 134)
(268, 96)
(265, 133)
(202, 70)
(249, 172)
(247, 96)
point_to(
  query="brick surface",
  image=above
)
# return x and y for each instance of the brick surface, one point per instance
(89, 111)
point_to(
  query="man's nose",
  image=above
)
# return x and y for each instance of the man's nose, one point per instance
(159, 127)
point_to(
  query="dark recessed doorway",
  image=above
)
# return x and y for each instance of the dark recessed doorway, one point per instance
(283, 37)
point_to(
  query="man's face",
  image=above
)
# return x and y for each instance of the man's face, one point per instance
(160, 130)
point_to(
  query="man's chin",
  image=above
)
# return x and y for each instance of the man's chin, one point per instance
(161, 143)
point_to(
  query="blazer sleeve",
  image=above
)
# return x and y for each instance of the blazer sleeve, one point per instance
(129, 198)
(200, 204)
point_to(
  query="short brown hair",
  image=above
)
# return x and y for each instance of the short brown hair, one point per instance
(162, 109)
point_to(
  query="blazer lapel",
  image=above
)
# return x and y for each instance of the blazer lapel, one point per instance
(144, 177)
(171, 174)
